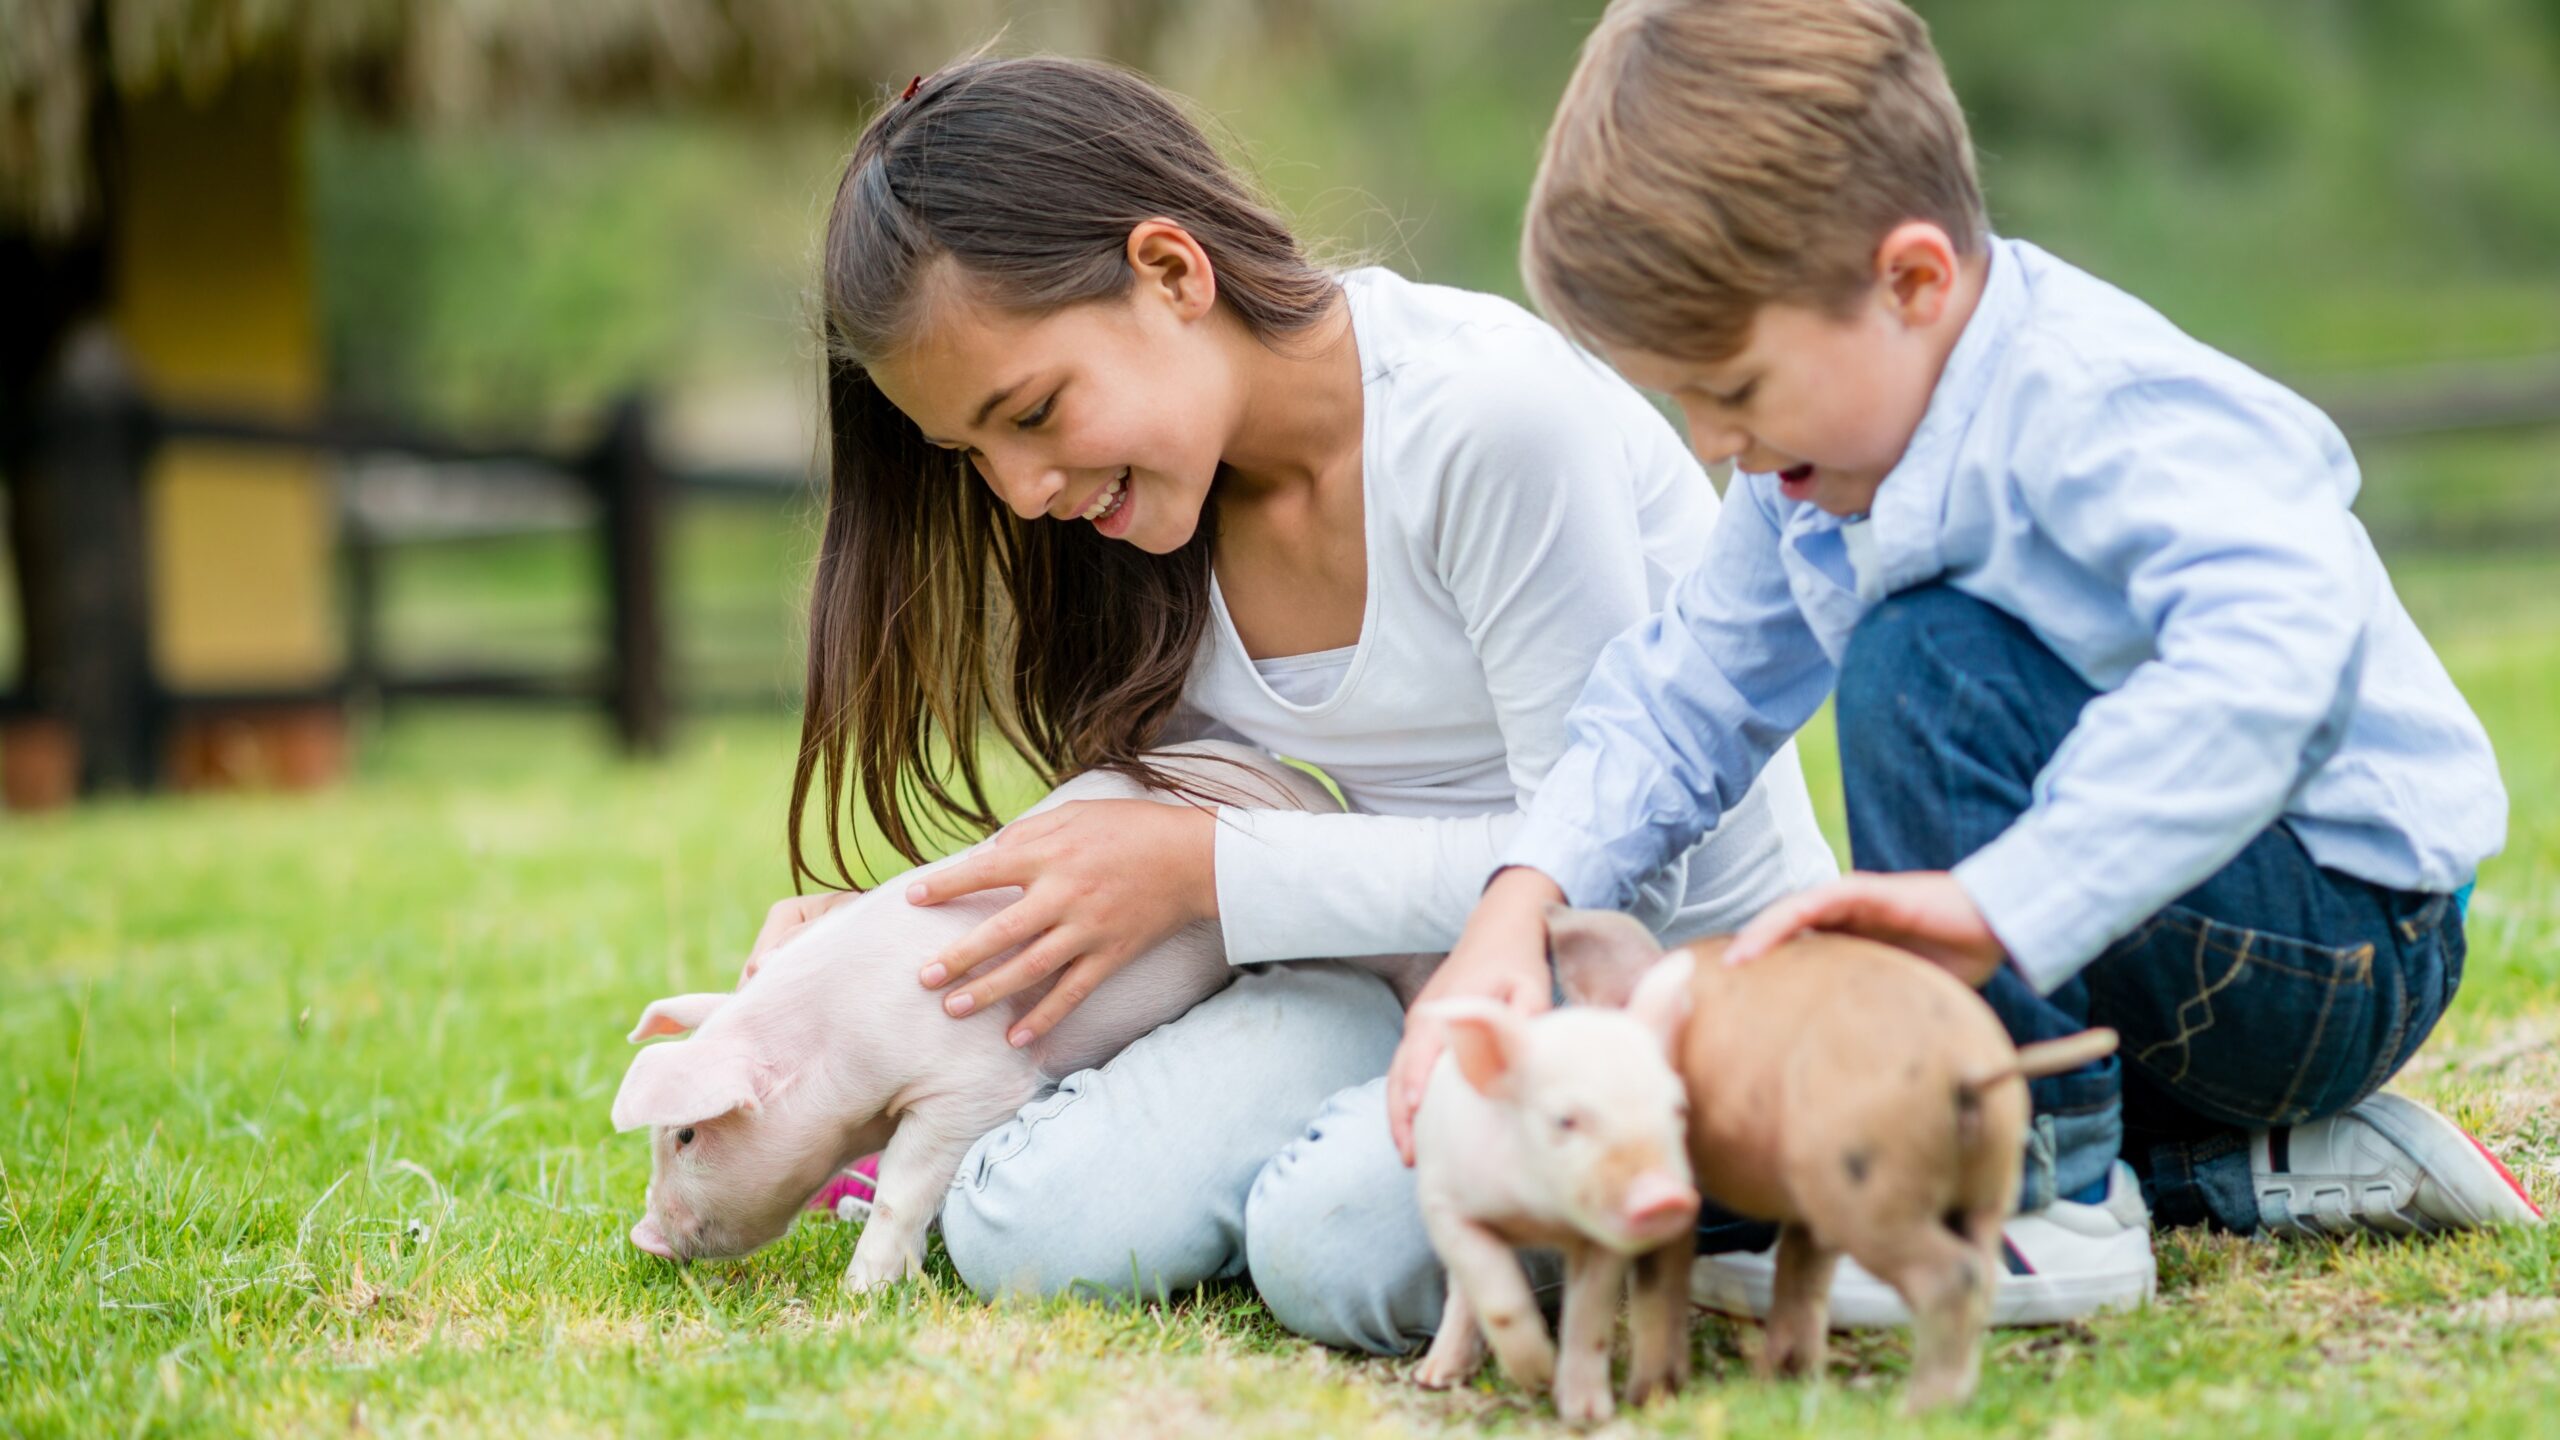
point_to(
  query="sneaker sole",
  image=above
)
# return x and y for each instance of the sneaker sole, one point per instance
(2126, 1277)
(2463, 1169)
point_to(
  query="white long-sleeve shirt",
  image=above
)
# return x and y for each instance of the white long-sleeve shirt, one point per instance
(1523, 505)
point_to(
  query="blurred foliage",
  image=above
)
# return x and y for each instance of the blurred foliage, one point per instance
(2313, 184)
(495, 275)
(2316, 185)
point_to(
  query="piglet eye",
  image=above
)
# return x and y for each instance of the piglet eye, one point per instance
(685, 1136)
(1568, 1122)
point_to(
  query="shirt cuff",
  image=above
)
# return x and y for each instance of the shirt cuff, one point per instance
(2050, 926)
(1568, 857)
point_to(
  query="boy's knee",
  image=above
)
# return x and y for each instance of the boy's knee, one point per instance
(1914, 640)
(1919, 658)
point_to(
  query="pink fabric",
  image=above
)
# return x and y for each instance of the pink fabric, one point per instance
(858, 1182)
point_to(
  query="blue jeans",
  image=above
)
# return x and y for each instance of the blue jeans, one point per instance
(1192, 1158)
(2274, 993)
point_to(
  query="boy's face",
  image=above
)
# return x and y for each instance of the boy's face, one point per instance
(1826, 402)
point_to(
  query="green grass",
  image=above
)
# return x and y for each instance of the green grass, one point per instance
(307, 1133)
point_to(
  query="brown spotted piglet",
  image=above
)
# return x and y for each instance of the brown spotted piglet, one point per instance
(1863, 1099)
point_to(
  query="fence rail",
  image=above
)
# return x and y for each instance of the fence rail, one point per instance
(82, 551)
(83, 576)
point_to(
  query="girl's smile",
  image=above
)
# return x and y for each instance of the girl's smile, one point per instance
(1113, 412)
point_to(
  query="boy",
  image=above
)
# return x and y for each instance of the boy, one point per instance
(2133, 730)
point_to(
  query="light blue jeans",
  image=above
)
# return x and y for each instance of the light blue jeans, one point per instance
(1248, 1138)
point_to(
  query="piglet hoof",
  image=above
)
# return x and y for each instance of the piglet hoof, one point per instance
(1643, 1388)
(1936, 1390)
(868, 1273)
(1583, 1402)
(1436, 1372)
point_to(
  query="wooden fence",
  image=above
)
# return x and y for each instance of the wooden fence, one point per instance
(85, 614)
(83, 563)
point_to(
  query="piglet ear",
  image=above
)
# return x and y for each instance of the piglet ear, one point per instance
(1598, 954)
(677, 1014)
(1662, 996)
(1487, 1039)
(684, 1084)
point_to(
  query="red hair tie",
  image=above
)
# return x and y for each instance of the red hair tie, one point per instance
(910, 92)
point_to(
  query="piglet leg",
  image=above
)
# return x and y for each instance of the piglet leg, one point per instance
(915, 1169)
(1947, 1283)
(1799, 1305)
(1482, 1265)
(1658, 1321)
(1456, 1349)
(1595, 1276)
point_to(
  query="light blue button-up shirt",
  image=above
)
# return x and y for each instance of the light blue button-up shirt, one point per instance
(2174, 525)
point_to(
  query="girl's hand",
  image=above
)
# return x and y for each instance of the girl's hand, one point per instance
(1925, 912)
(1103, 882)
(1502, 956)
(788, 915)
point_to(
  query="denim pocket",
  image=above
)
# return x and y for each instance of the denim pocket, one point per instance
(2246, 1026)
(1010, 1139)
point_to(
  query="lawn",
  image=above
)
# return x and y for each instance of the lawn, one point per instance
(309, 1135)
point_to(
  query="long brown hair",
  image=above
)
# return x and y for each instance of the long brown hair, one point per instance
(936, 611)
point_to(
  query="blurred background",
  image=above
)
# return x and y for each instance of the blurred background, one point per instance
(372, 362)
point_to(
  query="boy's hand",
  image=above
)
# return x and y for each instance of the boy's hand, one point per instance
(1503, 957)
(1925, 912)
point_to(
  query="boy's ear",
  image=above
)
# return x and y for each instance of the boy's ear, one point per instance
(686, 1084)
(1661, 1000)
(1918, 265)
(1598, 953)
(1487, 1039)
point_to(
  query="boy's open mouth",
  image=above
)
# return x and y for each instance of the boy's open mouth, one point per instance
(1796, 481)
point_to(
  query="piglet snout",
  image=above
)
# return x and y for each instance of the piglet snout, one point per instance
(1659, 1203)
(649, 1237)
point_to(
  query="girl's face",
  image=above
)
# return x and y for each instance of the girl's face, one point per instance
(1113, 413)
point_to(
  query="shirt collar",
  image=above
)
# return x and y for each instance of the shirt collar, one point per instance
(1911, 501)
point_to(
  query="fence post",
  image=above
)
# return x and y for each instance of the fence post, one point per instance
(86, 590)
(631, 494)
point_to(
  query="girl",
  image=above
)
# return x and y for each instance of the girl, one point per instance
(1115, 464)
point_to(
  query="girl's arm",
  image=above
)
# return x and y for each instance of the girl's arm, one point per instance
(1536, 526)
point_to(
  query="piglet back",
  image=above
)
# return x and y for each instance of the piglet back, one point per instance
(1191, 965)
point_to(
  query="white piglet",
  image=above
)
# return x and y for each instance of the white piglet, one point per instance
(1568, 1132)
(834, 1051)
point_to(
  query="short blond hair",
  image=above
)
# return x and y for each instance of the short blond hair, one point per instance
(1714, 156)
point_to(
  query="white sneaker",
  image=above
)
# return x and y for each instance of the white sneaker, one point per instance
(2388, 1164)
(2066, 1261)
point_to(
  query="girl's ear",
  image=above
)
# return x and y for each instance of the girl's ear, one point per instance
(1170, 264)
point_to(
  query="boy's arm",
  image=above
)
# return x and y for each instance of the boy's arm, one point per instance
(1678, 716)
(2218, 517)
(1676, 721)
